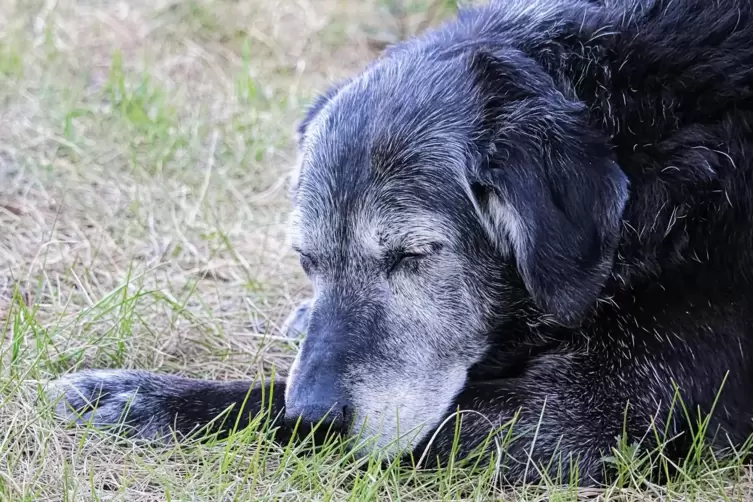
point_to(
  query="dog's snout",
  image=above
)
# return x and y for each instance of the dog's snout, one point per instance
(318, 398)
(324, 412)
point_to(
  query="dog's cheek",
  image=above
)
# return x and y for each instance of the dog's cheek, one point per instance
(433, 296)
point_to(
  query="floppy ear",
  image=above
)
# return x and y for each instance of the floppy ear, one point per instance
(549, 187)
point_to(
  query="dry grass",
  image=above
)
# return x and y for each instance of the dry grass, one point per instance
(143, 146)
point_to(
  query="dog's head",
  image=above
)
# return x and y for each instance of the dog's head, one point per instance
(437, 196)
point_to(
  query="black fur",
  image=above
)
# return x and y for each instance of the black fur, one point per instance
(620, 134)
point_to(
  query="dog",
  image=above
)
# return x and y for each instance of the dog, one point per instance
(536, 215)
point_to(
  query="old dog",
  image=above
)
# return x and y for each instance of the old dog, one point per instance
(539, 212)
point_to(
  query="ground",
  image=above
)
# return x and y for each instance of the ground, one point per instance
(143, 148)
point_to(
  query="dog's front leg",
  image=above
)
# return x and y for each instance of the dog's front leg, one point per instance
(154, 406)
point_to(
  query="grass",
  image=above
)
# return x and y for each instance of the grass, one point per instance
(143, 146)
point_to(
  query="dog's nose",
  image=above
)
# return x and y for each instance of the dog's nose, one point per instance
(325, 416)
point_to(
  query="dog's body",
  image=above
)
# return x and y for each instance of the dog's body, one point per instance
(541, 211)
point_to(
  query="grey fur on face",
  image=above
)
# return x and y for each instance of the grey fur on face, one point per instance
(395, 247)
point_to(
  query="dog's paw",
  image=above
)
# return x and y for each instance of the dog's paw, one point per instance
(297, 323)
(128, 401)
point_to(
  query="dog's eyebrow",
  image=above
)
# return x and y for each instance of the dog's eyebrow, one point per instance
(415, 239)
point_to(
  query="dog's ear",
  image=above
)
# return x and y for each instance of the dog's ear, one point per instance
(549, 188)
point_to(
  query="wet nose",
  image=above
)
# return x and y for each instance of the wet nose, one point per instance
(323, 413)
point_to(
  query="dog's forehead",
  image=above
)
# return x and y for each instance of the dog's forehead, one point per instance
(384, 159)
(393, 116)
(375, 217)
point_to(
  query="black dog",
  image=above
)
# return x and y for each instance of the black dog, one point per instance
(541, 210)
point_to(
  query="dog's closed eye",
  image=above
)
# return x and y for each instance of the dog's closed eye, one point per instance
(402, 258)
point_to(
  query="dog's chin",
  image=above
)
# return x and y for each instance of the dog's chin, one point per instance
(390, 417)
(387, 439)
